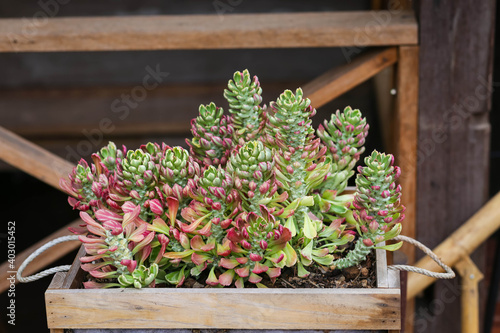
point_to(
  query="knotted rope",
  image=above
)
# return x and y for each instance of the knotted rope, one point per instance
(449, 272)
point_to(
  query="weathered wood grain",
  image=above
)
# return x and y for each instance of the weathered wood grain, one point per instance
(405, 138)
(456, 57)
(404, 142)
(219, 331)
(339, 80)
(382, 272)
(471, 276)
(77, 112)
(32, 159)
(224, 308)
(74, 276)
(44, 259)
(57, 281)
(317, 29)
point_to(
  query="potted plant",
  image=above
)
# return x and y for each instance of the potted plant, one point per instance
(258, 195)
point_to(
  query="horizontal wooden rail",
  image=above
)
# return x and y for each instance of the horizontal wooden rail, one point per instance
(32, 159)
(181, 32)
(43, 259)
(459, 244)
(340, 80)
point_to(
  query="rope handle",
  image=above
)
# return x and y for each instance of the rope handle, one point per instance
(449, 274)
(39, 251)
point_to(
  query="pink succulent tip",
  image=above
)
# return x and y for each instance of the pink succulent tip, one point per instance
(368, 242)
(255, 257)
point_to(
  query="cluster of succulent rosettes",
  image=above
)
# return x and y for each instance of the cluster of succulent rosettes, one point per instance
(244, 97)
(344, 136)
(212, 136)
(377, 207)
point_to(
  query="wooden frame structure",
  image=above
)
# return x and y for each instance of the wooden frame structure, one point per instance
(396, 36)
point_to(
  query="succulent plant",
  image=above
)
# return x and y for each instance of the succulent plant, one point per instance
(85, 186)
(300, 167)
(214, 206)
(377, 207)
(212, 136)
(178, 171)
(111, 156)
(257, 193)
(260, 238)
(254, 176)
(344, 136)
(244, 97)
(116, 242)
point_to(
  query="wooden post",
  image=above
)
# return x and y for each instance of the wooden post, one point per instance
(471, 276)
(405, 134)
(456, 53)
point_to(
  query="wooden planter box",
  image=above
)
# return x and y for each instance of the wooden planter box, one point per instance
(91, 310)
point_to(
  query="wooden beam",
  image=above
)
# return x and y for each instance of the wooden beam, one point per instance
(76, 112)
(459, 244)
(44, 259)
(32, 159)
(339, 80)
(176, 32)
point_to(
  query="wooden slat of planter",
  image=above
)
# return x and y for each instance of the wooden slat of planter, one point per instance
(339, 80)
(243, 309)
(326, 29)
(32, 159)
(382, 272)
(43, 259)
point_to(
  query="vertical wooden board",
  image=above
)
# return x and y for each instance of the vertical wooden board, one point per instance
(456, 39)
(406, 128)
(405, 134)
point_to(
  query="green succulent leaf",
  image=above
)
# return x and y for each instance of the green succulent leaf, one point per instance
(390, 247)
